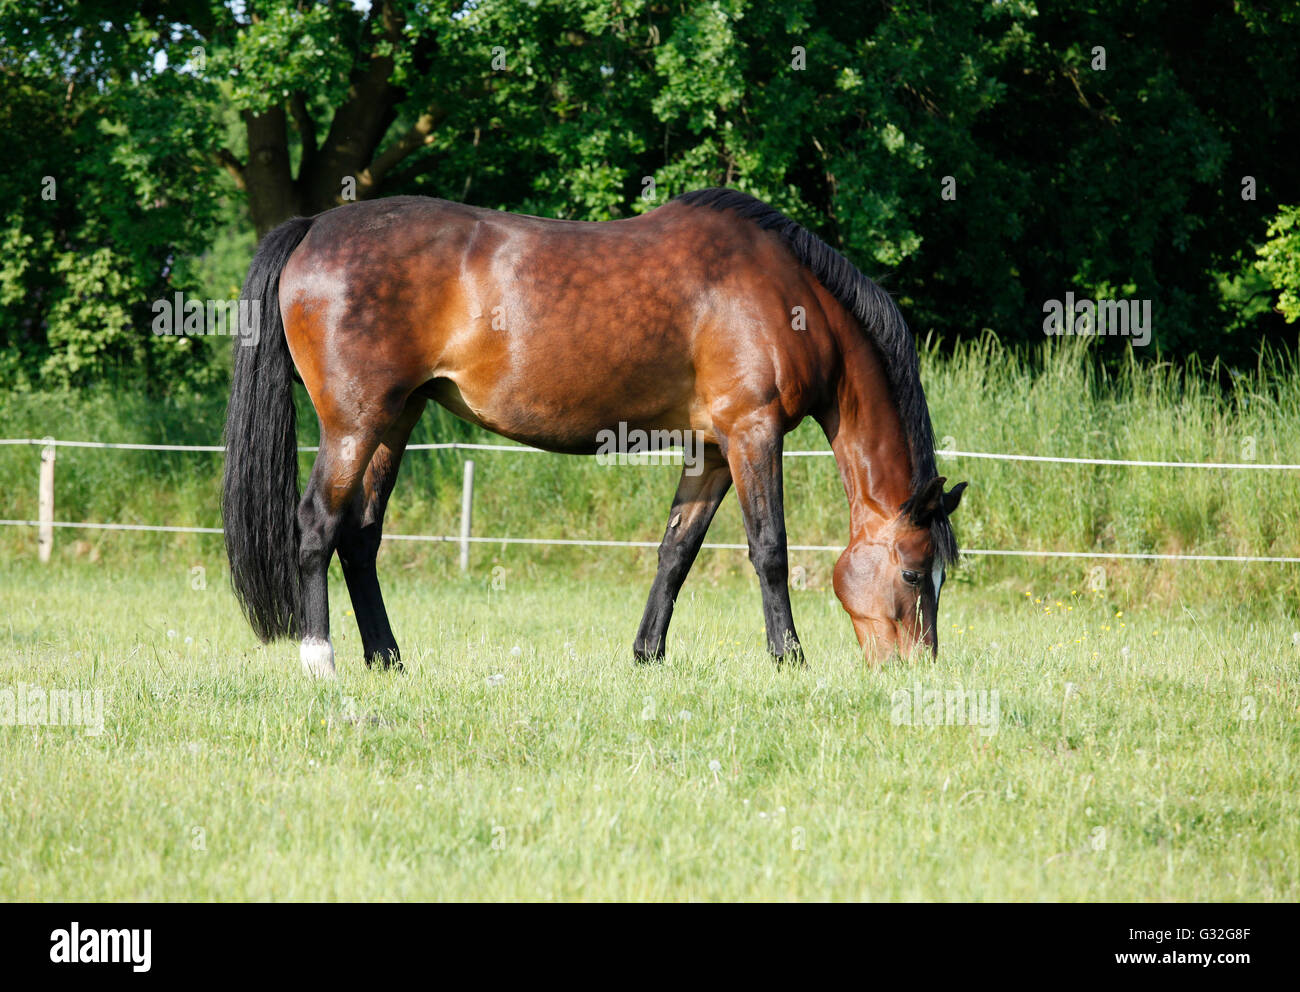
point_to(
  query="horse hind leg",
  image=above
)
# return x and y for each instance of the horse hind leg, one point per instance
(360, 534)
(332, 490)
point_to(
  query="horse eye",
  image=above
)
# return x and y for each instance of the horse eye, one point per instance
(912, 578)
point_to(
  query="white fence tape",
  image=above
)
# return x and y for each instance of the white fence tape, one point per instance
(820, 453)
(577, 542)
(464, 539)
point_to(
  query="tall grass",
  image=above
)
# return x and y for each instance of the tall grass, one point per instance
(1053, 400)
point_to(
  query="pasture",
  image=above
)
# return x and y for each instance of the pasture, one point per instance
(1136, 738)
(1137, 753)
(574, 223)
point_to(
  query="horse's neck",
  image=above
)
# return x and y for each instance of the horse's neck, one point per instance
(866, 434)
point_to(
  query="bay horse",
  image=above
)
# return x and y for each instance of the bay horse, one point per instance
(713, 313)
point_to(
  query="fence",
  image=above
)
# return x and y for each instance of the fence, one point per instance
(46, 524)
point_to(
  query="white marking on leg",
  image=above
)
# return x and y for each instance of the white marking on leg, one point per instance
(317, 655)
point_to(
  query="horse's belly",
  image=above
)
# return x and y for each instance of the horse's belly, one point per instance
(571, 406)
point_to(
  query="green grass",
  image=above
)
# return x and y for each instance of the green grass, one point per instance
(1168, 771)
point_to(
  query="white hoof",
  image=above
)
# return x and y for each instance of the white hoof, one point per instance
(317, 657)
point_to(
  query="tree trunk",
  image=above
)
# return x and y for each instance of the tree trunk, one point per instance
(347, 164)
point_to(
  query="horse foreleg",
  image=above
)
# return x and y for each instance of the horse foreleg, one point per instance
(699, 492)
(754, 455)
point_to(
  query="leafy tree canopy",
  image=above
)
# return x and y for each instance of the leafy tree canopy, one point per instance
(979, 159)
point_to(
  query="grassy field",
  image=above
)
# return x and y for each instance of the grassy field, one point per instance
(1138, 735)
(1135, 752)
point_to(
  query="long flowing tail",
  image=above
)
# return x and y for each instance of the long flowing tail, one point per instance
(259, 503)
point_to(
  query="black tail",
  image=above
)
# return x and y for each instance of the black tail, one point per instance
(260, 500)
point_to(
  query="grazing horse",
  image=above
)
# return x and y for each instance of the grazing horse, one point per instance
(712, 314)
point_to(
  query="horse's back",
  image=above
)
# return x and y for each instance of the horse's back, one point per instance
(543, 330)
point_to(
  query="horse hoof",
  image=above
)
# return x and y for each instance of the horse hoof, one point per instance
(387, 661)
(791, 659)
(317, 656)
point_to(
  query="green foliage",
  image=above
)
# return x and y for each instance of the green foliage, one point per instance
(1068, 175)
(1279, 260)
(112, 189)
(289, 48)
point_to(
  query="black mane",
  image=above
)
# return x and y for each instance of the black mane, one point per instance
(880, 319)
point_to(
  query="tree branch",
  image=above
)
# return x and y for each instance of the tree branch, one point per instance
(224, 158)
(420, 135)
(360, 120)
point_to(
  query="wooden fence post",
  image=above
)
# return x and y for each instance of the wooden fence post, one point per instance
(45, 503)
(466, 513)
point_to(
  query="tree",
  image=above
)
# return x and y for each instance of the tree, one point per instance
(92, 221)
(1279, 260)
(978, 159)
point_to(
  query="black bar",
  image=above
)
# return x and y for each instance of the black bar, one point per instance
(334, 943)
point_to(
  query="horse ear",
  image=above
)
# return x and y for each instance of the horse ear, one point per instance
(926, 504)
(952, 497)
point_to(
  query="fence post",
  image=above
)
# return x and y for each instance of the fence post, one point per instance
(466, 513)
(45, 503)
